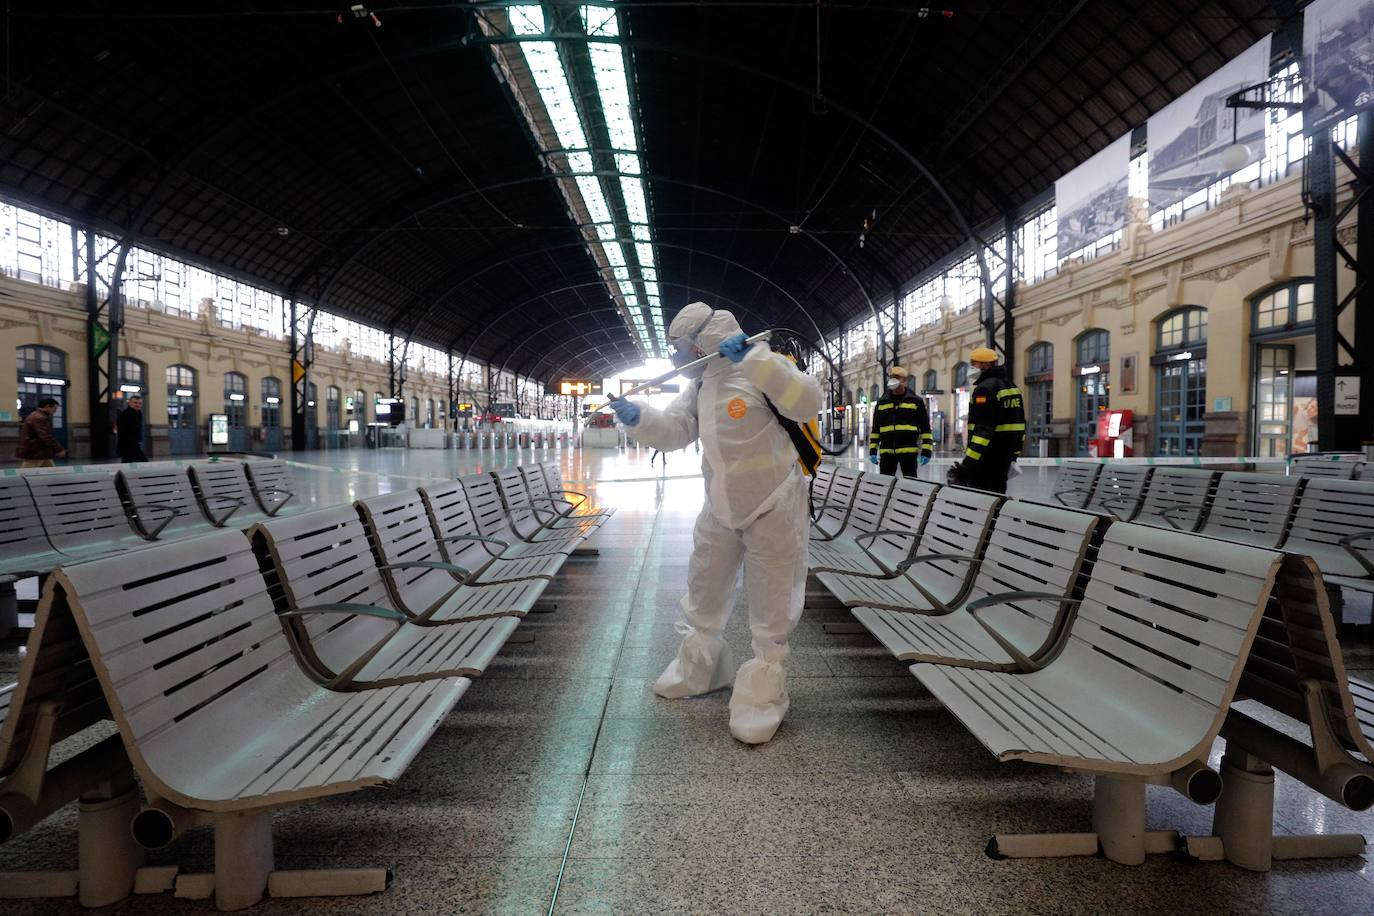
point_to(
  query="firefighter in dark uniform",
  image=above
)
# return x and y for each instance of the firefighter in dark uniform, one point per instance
(996, 427)
(900, 431)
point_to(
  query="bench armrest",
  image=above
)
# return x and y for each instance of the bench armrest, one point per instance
(1167, 514)
(1348, 542)
(219, 522)
(161, 507)
(1126, 501)
(344, 607)
(573, 493)
(1060, 494)
(482, 539)
(824, 535)
(1046, 651)
(276, 507)
(454, 568)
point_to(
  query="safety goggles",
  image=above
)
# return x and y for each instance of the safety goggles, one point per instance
(687, 345)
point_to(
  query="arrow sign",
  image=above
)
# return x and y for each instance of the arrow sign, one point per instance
(1348, 396)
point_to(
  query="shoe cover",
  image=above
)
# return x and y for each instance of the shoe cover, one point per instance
(704, 664)
(759, 701)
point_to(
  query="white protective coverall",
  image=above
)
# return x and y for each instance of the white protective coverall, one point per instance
(756, 513)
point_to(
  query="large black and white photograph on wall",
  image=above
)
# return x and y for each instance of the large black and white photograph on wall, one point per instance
(1091, 199)
(1338, 57)
(1196, 140)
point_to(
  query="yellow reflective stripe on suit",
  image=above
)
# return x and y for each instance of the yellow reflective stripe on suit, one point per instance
(1009, 393)
(973, 453)
(1009, 428)
(898, 451)
(897, 428)
(979, 440)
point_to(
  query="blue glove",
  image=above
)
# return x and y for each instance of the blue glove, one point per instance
(872, 459)
(627, 412)
(923, 461)
(733, 348)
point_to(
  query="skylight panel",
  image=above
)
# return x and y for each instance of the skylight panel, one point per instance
(600, 21)
(597, 209)
(640, 232)
(627, 163)
(547, 69)
(580, 163)
(608, 65)
(633, 190)
(527, 19)
(645, 253)
(614, 256)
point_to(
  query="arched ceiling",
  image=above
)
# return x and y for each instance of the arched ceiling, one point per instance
(386, 171)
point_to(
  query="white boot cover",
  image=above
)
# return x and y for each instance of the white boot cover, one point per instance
(704, 664)
(759, 701)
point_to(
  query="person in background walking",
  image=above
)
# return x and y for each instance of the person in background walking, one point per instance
(129, 430)
(37, 445)
(900, 436)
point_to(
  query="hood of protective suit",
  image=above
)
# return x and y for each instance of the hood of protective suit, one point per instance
(719, 326)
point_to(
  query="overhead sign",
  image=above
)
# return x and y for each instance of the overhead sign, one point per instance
(626, 384)
(1347, 396)
(578, 387)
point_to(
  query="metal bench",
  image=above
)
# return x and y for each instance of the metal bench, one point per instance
(271, 484)
(221, 484)
(84, 516)
(864, 517)
(1019, 609)
(221, 724)
(553, 479)
(1251, 508)
(1177, 498)
(361, 638)
(1295, 668)
(24, 547)
(1074, 484)
(560, 511)
(489, 511)
(56, 697)
(1333, 523)
(830, 515)
(541, 524)
(1119, 490)
(1341, 466)
(937, 571)
(891, 541)
(1138, 691)
(421, 581)
(155, 492)
(462, 542)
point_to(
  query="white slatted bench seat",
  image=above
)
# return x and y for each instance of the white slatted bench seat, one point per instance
(157, 492)
(220, 722)
(559, 511)
(825, 474)
(940, 569)
(24, 547)
(363, 639)
(892, 541)
(1074, 484)
(1140, 688)
(1177, 498)
(1333, 524)
(1338, 466)
(56, 697)
(1019, 608)
(1294, 668)
(221, 484)
(1251, 508)
(865, 517)
(553, 479)
(270, 481)
(421, 581)
(461, 540)
(84, 516)
(489, 510)
(830, 514)
(1119, 490)
(531, 523)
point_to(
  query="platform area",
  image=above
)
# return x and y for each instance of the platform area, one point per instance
(562, 784)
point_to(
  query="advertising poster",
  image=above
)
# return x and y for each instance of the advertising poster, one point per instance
(1338, 57)
(1092, 198)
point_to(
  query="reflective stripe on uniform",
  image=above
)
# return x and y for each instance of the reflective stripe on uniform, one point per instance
(899, 427)
(1009, 428)
(979, 440)
(898, 451)
(973, 453)
(1009, 393)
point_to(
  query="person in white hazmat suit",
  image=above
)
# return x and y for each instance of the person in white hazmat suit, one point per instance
(756, 512)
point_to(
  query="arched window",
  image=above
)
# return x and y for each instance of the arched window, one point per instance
(1180, 362)
(181, 410)
(358, 413)
(1285, 310)
(429, 415)
(960, 377)
(932, 381)
(1039, 395)
(43, 374)
(959, 395)
(413, 417)
(1092, 370)
(133, 377)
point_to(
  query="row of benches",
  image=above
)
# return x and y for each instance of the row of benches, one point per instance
(1071, 638)
(311, 655)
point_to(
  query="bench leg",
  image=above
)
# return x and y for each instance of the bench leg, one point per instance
(586, 552)
(9, 609)
(243, 859)
(1119, 822)
(107, 856)
(1243, 825)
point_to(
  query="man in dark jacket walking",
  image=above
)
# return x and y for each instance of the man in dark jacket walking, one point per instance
(900, 431)
(129, 430)
(996, 426)
(37, 445)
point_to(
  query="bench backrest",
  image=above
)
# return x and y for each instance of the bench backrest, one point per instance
(1297, 643)
(221, 484)
(906, 510)
(270, 481)
(825, 473)
(172, 640)
(1178, 610)
(834, 509)
(401, 533)
(1251, 508)
(1341, 467)
(1119, 489)
(148, 487)
(537, 485)
(484, 501)
(21, 530)
(1182, 493)
(870, 499)
(1034, 548)
(450, 516)
(1327, 511)
(958, 524)
(515, 495)
(81, 511)
(1074, 484)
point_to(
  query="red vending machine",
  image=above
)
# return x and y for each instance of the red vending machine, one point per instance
(1115, 434)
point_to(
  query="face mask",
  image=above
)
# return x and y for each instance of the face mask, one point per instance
(685, 350)
(682, 357)
(894, 383)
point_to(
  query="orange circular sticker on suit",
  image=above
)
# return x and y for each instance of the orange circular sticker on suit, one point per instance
(736, 408)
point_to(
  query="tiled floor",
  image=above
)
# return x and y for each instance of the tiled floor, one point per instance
(562, 782)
